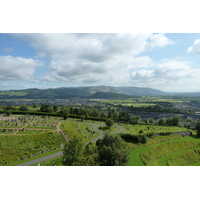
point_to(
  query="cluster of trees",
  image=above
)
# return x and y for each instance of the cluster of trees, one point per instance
(85, 113)
(174, 121)
(160, 107)
(109, 151)
(198, 128)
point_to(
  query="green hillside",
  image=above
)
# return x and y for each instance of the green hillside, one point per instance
(67, 92)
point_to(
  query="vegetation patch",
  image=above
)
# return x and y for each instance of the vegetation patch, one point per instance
(20, 147)
(108, 129)
(185, 159)
(149, 157)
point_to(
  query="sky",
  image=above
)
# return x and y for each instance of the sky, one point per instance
(169, 62)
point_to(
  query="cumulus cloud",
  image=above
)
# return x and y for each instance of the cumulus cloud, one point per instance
(17, 68)
(159, 40)
(195, 48)
(168, 75)
(83, 58)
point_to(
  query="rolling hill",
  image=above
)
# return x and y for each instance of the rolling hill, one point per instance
(67, 92)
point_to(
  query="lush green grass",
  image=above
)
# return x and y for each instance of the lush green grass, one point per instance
(51, 162)
(128, 102)
(33, 158)
(72, 128)
(185, 158)
(194, 164)
(12, 93)
(109, 129)
(41, 127)
(138, 149)
(135, 129)
(150, 156)
(20, 147)
(173, 150)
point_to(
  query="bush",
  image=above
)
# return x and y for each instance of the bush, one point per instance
(141, 131)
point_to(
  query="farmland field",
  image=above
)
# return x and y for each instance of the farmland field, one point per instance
(126, 103)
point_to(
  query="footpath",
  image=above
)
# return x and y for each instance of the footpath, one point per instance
(95, 128)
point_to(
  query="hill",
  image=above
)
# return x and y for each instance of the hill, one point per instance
(83, 92)
(109, 95)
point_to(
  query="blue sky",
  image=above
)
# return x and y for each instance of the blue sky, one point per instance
(168, 62)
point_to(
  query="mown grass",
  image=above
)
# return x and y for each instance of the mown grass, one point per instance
(72, 128)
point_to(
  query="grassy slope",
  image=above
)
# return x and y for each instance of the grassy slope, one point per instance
(134, 129)
(24, 146)
(135, 154)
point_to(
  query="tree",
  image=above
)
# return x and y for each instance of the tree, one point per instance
(161, 122)
(46, 108)
(35, 105)
(115, 115)
(55, 108)
(72, 153)
(23, 107)
(8, 112)
(198, 128)
(112, 151)
(175, 120)
(90, 155)
(169, 122)
(109, 122)
(151, 121)
(136, 119)
(65, 115)
(65, 112)
(9, 107)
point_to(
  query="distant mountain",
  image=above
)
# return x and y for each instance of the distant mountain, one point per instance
(139, 91)
(67, 92)
(110, 95)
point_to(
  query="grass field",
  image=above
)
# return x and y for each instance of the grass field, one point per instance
(72, 128)
(174, 150)
(29, 143)
(20, 147)
(108, 130)
(135, 129)
(128, 102)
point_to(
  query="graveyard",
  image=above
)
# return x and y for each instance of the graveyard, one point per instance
(26, 137)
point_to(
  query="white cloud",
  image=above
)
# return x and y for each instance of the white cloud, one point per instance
(159, 40)
(140, 62)
(195, 48)
(17, 68)
(168, 75)
(94, 58)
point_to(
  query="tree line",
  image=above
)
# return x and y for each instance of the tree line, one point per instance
(109, 151)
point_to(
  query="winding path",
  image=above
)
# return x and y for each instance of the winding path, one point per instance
(95, 128)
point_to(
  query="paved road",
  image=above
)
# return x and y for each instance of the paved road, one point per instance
(33, 162)
(95, 128)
